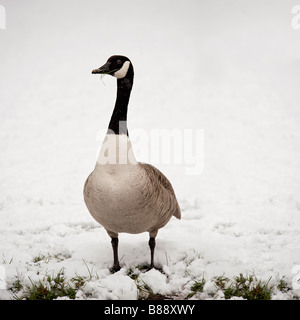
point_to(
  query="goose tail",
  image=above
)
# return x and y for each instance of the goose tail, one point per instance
(177, 213)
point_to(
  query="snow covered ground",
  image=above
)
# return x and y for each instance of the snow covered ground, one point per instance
(228, 67)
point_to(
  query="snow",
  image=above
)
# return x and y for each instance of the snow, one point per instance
(228, 67)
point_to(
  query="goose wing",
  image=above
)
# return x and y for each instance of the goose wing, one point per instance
(159, 181)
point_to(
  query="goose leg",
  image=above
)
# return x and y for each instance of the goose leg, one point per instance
(152, 246)
(116, 267)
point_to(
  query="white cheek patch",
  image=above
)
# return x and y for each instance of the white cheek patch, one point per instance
(123, 71)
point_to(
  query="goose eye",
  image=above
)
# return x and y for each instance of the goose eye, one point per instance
(119, 61)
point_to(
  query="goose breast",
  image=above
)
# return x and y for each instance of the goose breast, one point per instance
(130, 198)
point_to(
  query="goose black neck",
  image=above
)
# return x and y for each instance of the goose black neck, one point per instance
(118, 121)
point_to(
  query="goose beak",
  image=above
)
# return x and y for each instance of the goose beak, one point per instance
(102, 70)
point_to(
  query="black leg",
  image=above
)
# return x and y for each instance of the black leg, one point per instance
(114, 242)
(152, 246)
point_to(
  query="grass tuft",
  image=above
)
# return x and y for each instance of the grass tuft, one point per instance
(283, 286)
(196, 287)
(247, 287)
(49, 288)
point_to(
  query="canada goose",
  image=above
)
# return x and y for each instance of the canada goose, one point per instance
(124, 195)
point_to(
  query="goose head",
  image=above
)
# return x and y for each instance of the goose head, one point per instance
(116, 66)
